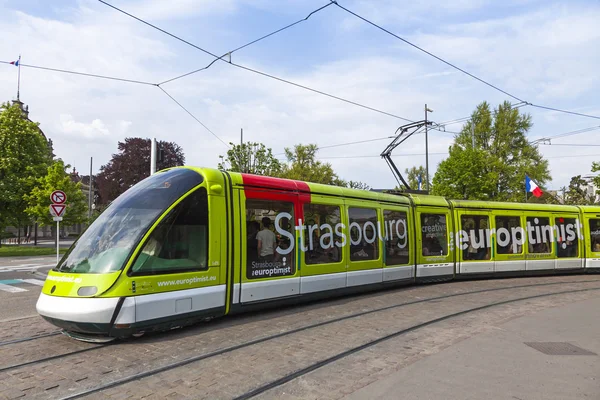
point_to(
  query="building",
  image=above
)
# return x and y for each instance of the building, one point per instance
(591, 189)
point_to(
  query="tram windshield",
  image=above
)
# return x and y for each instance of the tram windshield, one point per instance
(107, 244)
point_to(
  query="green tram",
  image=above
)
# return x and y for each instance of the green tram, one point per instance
(188, 244)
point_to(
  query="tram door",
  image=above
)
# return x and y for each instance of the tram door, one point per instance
(435, 256)
(269, 250)
(474, 242)
(591, 230)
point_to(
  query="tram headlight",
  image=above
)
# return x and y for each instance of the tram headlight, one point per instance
(87, 291)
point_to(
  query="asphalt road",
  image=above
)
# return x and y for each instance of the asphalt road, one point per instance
(21, 280)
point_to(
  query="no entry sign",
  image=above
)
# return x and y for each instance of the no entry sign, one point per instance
(58, 197)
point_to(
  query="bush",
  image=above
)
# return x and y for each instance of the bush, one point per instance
(7, 235)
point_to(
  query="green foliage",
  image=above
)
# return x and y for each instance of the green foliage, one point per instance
(596, 179)
(250, 158)
(495, 168)
(304, 166)
(460, 175)
(25, 157)
(57, 179)
(577, 193)
(412, 177)
(19, 251)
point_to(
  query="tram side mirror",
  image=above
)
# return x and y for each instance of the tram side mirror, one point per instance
(216, 189)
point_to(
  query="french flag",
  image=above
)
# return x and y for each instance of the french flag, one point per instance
(15, 63)
(532, 187)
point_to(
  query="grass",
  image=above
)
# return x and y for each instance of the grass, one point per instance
(12, 251)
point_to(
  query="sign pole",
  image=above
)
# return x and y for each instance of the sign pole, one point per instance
(57, 240)
(57, 209)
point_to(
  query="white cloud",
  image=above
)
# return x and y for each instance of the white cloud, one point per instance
(95, 131)
(174, 9)
(546, 55)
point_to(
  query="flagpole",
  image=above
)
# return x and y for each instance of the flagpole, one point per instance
(19, 79)
(525, 188)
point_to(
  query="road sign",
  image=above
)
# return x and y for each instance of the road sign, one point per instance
(58, 197)
(57, 210)
(57, 219)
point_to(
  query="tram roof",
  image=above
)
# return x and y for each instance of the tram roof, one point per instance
(499, 205)
(317, 188)
(590, 209)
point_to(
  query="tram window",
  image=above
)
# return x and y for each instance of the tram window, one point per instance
(180, 242)
(539, 229)
(396, 237)
(508, 229)
(320, 236)
(595, 235)
(364, 243)
(567, 244)
(270, 239)
(434, 234)
(477, 242)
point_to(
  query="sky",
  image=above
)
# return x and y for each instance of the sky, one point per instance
(543, 52)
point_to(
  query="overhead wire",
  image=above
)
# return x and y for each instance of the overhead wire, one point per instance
(373, 156)
(576, 155)
(564, 111)
(65, 71)
(229, 53)
(438, 127)
(566, 134)
(572, 144)
(425, 51)
(192, 115)
(458, 68)
(254, 70)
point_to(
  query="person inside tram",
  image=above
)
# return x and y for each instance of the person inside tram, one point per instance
(267, 242)
(596, 244)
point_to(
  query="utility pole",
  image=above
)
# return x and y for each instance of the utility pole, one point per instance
(426, 151)
(473, 132)
(90, 191)
(242, 163)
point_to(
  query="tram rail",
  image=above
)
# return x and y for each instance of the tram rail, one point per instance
(301, 372)
(286, 378)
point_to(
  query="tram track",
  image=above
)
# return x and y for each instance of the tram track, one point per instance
(29, 338)
(50, 358)
(287, 378)
(301, 372)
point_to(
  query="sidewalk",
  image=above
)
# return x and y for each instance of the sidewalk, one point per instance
(505, 364)
(64, 243)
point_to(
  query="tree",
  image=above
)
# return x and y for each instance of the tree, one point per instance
(250, 158)
(596, 179)
(304, 166)
(132, 164)
(26, 156)
(490, 157)
(57, 178)
(412, 177)
(577, 193)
